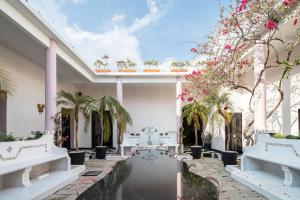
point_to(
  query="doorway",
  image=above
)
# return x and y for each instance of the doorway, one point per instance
(66, 127)
(96, 131)
(189, 133)
(236, 133)
(3, 112)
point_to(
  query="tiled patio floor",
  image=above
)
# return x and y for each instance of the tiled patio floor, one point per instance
(69, 192)
(229, 188)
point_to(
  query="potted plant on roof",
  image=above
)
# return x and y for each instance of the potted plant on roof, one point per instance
(109, 110)
(77, 103)
(195, 112)
(220, 106)
(101, 64)
(151, 66)
(126, 66)
(179, 66)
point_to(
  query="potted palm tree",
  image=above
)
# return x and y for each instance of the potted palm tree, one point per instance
(109, 110)
(123, 119)
(207, 140)
(220, 107)
(194, 112)
(77, 103)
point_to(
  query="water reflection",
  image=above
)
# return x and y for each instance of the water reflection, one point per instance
(164, 178)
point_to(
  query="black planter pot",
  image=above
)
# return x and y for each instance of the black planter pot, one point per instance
(207, 146)
(100, 152)
(77, 157)
(196, 151)
(229, 157)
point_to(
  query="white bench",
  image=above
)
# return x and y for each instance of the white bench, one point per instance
(22, 161)
(143, 140)
(271, 167)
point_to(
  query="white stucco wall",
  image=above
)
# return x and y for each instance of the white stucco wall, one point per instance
(151, 105)
(22, 114)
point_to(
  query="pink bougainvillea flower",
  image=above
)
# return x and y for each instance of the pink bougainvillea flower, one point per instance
(295, 21)
(224, 32)
(205, 91)
(271, 25)
(243, 5)
(227, 46)
(289, 2)
(190, 99)
(194, 50)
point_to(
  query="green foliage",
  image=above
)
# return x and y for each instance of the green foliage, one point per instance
(6, 82)
(194, 112)
(125, 63)
(109, 110)
(180, 64)
(77, 103)
(152, 63)
(7, 138)
(293, 137)
(278, 136)
(36, 135)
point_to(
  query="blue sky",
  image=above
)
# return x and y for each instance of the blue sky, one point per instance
(164, 30)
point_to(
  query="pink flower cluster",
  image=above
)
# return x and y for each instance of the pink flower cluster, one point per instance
(289, 2)
(270, 24)
(184, 94)
(243, 5)
(194, 50)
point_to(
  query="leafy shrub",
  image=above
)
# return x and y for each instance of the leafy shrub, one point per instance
(278, 135)
(7, 138)
(292, 137)
(36, 135)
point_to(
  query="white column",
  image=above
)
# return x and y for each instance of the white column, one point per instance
(120, 91)
(178, 104)
(260, 92)
(120, 99)
(50, 86)
(286, 107)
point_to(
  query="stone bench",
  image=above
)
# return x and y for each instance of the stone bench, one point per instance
(23, 161)
(278, 157)
(271, 167)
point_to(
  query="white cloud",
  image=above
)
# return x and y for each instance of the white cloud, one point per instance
(152, 16)
(117, 41)
(117, 19)
(77, 2)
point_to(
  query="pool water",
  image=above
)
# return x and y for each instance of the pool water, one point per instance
(151, 175)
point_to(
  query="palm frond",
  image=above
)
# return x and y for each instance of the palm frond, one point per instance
(6, 81)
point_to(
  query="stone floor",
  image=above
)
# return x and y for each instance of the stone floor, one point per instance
(69, 192)
(229, 188)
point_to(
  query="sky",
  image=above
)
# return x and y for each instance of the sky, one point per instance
(140, 30)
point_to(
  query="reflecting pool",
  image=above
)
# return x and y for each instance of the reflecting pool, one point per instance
(151, 175)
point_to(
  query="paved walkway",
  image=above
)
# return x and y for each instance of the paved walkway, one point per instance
(69, 192)
(229, 188)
